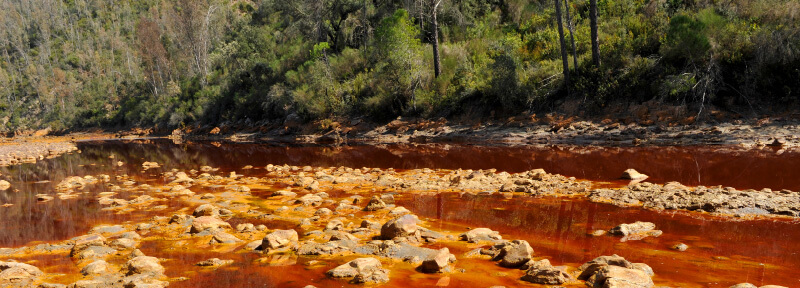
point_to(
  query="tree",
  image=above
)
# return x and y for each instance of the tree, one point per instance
(595, 37)
(437, 69)
(571, 34)
(564, 57)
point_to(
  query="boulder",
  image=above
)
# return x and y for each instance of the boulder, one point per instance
(619, 277)
(440, 262)
(83, 242)
(375, 204)
(363, 270)
(98, 267)
(480, 234)
(402, 226)
(206, 210)
(633, 228)
(214, 262)
(634, 175)
(590, 268)
(544, 273)
(144, 265)
(279, 239)
(14, 273)
(514, 254)
(203, 223)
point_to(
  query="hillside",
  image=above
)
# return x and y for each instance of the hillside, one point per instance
(77, 64)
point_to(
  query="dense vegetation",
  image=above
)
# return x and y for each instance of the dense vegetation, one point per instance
(122, 63)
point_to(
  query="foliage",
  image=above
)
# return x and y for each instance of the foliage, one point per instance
(92, 63)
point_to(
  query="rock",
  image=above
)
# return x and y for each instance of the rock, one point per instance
(17, 274)
(480, 234)
(214, 262)
(372, 225)
(619, 277)
(438, 263)
(206, 210)
(514, 254)
(680, 247)
(773, 286)
(364, 270)
(402, 226)
(633, 228)
(634, 175)
(83, 242)
(323, 212)
(375, 204)
(279, 239)
(203, 223)
(245, 228)
(98, 267)
(123, 243)
(224, 238)
(590, 268)
(541, 272)
(334, 224)
(309, 200)
(144, 265)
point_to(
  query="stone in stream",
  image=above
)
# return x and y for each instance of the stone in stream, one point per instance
(98, 267)
(680, 247)
(4, 185)
(588, 269)
(83, 242)
(214, 262)
(480, 234)
(615, 276)
(203, 223)
(542, 272)
(375, 204)
(14, 274)
(633, 228)
(279, 239)
(206, 210)
(144, 265)
(402, 226)
(363, 270)
(634, 175)
(514, 254)
(438, 263)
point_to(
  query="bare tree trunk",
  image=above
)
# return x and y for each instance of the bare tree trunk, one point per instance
(571, 35)
(437, 69)
(564, 57)
(595, 37)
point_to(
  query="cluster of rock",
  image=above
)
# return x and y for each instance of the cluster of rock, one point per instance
(723, 200)
(30, 152)
(423, 180)
(372, 228)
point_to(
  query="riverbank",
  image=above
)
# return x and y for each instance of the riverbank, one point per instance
(528, 130)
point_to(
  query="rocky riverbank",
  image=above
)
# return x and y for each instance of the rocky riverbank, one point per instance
(19, 151)
(774, 132)
(341, 223)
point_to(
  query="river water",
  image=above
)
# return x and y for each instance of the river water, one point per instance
(722, 251)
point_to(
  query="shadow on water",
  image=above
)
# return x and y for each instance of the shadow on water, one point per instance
(722, 252)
